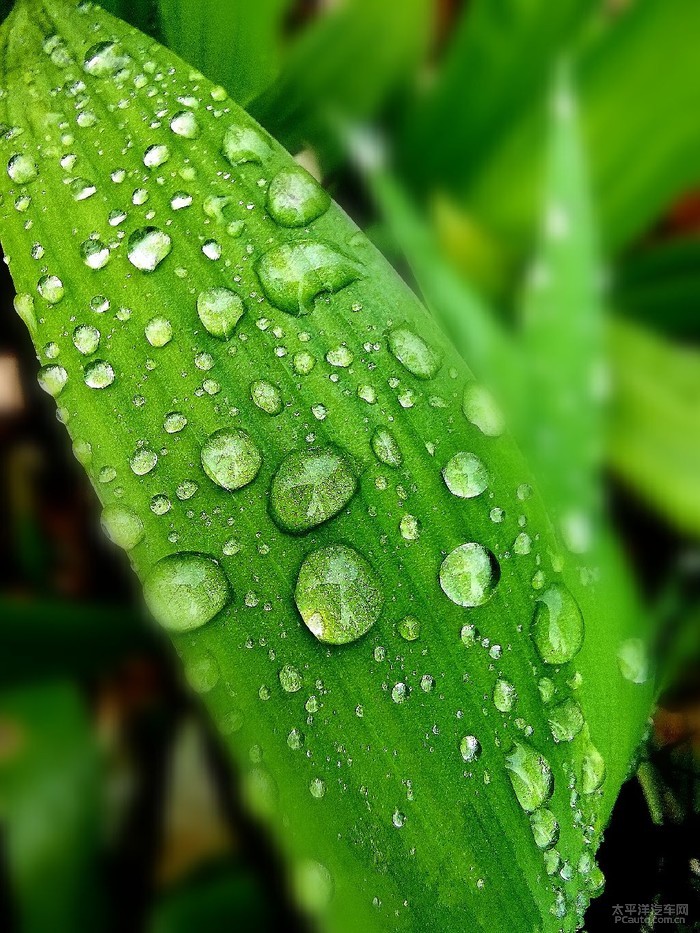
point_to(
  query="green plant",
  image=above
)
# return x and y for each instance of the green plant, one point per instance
(331, 523)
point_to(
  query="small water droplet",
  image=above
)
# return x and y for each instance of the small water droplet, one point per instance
(317, 788)
(244, 144)
(465, 475)
(219, 310)
(530, 775)
(295, 199)
(310, 487)
(633, 661)
(409, 628)
(414, 354)
(505, 696)
(385, 448)
(565, 720)
(147, 248)
(156, 155)
(99, 374)
(557, 625)
(105, 59)
(94, 253)
(143, 461)
(202, 672)
(159, 331)
(290, 679)
(469, 748)
(266, 397)
(184, 123)
(53, 379)
(50, 287)
(122, 526)
(174, 422)
(545, 828)
(338, 595)
(22, 168)
(86, 339)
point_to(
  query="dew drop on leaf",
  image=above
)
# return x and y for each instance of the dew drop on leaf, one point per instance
(557, 625)
(565, 720)
(290, 679)
(482, 411)
(465, 475)
(469, 748)
(99, 374)
(50, 287)
(143, 461)
(244, 144)
(159, 331)
(147, 248)
(530, 775)
(469, 575)
(219, 310)
(185, 591)
(338, 595)
(174, 422)
(86, 339)
(409, 628)
(185, 124)
(230, 459)
(53, 379)
(156, 155)
(414, 354)
(295, 199)
(310, 487)
(545, 828)
(293, 275)
(266, 397)
(385, 448)
(22, 168)
(122, 526)
(633, 661)
(105, 59)
(505, 696)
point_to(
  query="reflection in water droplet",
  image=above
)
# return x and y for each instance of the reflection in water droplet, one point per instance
(293, 275)
(565, 720)
(244, 144)
(266, 397)
(530, 775)
(295, 199)
(53, 379)
(557, 625)
(385, 448)
(105, 59)
(481, 410)
(219, 310)
(338, 595)
(147, 248)
(470, 748)
(22, 168)
(545, 828)
(310, 487)
(414, 354)
(469, 575)
(465, 476)
(230, 459)
(409, 628)
(185, 591)
(122, 526)
(99, 374)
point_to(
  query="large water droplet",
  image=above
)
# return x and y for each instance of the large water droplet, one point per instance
(470, 748)
(219, 310)
(293, 275)
(557, 625)
(338, 595)
(633, 660)
(244, 144)
(53, 379)
(385, 448)
(94, 254)
(230, 459)
(414, 354)
(185, 591)
(266, 396)
(310, 487)
(159, 331)
(505, 696)
(22, 168)
(185, 124)
(122, 526)
(565, 720)
(545, 828)
(105, 59)
(482, 411)
(143, 461)
(50, 287)
(156, 155)
(530, 775)
(295, 199)
(465, 475)
(99, 374)
(147, 247)
(469, 575)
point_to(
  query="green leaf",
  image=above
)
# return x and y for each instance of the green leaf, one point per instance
(562, 342)
(49, 797)
(238, 44)
(337, 69)
(368, 640)
(654, 441)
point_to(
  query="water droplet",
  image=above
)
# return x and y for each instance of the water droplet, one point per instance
(174, 422)
(244, 144)
(469, 748)
(293, 275)
(565, 720)
(82, 189)
(505, 696)
(202, 672)
(99, 374)
(50, 287)
(156, 155)
(266, 397)
(530, 775)
(386, 449)
(312, 886)
(219, 310)
(230, 459)
(414, 354)
(122, 526)
(303, 362)
(465, 476)
(310, 487)
(147, 248)
(469, 575)
(159, 331)
(295, 199)
(409, 628)
(22, 168)
(143, 461)
(82, 450)
(545, 828)
(53, 379)
(180, 200)
(160, 504)
(409, 527)
(185, 591)
(340, 356)
(338, 595)
(633, 661)
(318, 788)
(185, 124)
(290, 679)
(399, 693)
(468, 635)
(592, 770)
(211, 249)
(398, 819)
(557, 625)
(94, 254)
(295, 739)
(105, 59)
(481, 410)
(86, 339)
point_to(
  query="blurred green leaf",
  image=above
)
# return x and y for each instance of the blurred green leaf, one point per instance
(654, 436)
(49, 799)
(638, 83)
(345, 65)
(235, 42)
(561, 335)
(659, 286)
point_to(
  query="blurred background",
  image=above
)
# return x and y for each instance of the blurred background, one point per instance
(437, 124)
